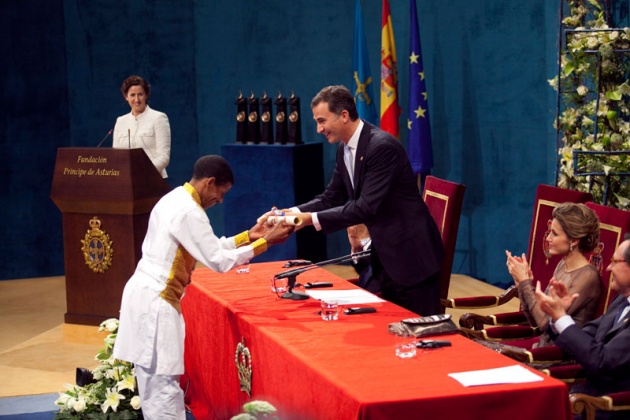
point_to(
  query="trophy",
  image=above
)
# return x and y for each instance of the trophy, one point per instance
(281, 120)
(253, 122)
(295, 120)
(241, 119)
(266, 130)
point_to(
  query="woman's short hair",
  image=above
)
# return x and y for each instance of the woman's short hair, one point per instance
(213, 166)
(135, 81)
(578, 222)
(338, 98)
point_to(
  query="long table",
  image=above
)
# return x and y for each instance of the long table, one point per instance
(345, 369)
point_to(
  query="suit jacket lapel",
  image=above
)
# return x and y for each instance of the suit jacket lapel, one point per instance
(359, 159)
(611, 315)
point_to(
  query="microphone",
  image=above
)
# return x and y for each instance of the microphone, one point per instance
(129, 137)
(109, 133)
(293, 273)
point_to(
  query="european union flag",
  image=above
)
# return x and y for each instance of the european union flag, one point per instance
(419, 141)
(362, 77)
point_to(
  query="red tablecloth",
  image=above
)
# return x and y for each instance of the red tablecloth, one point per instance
(344, 369)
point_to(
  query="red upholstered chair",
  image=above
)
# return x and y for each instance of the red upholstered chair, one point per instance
(586, 405)
(613, 225)
(444, 200)
(547, 198)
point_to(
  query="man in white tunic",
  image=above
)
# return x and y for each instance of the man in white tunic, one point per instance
(151, 331)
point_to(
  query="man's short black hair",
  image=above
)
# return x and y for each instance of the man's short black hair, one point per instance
(338, 99)
(213, 166)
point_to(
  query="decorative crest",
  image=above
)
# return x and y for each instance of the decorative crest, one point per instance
(243, 360)
(97, 247)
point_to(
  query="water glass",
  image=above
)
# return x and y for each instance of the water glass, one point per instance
(330, 310)
(279, 285)
(406, 347)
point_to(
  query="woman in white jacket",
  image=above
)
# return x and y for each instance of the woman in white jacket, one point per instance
(143, 127)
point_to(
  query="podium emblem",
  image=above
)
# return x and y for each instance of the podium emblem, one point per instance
(97, 248)
(280, 117)
(243, 361)
(294, 116)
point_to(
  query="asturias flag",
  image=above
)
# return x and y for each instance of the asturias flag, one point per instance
(390, 110)
(362, 77)
(419, 147)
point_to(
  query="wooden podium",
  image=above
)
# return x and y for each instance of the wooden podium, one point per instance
(106, 197)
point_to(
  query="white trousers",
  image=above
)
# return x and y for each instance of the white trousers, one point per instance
(161, 395)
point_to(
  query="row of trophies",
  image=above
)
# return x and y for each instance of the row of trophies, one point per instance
(254, 122)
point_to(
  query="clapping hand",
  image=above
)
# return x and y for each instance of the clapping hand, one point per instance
(557, 301)
(518, 267)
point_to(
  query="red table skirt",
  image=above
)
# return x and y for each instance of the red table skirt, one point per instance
(344, 369)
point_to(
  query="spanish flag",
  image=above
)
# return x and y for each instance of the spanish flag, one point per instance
(390, 110)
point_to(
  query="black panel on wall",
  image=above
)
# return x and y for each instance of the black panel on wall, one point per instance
(274, 175)
(33, 123)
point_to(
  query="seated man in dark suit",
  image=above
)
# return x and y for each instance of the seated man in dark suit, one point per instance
(601, 346)
(360, 240)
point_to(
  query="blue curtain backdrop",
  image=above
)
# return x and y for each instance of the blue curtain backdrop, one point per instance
(486, 64)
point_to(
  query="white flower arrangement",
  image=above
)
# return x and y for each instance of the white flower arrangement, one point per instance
(113, 395)
(595, 112)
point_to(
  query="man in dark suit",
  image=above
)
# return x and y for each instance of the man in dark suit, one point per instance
(601, 346)
(383, 194)
(359, 239)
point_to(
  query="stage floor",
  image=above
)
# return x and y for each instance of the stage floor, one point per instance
(39, 352)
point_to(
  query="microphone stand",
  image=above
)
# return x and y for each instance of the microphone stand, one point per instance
(291, 275)
(106, 135)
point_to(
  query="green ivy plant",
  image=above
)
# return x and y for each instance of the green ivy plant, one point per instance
(256, 410)
(595, 104)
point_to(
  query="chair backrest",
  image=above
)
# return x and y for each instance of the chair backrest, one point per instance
(444, 200)
(547, 199)
(613, 225)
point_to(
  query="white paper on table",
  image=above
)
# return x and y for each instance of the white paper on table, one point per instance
(345, 297)
(506, 375)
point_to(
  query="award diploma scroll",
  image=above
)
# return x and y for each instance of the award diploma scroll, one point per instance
(287, 220)
(279, 218)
